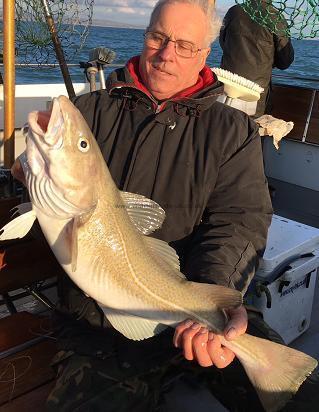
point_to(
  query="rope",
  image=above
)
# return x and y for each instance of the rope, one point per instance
(297, 19)
(72, 19)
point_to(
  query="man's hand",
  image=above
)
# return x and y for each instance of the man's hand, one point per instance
(199, 344)
(17, 171)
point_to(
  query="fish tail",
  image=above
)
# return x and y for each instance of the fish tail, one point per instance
(276, 371)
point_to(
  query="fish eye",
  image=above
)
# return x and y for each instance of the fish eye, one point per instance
(83, 144)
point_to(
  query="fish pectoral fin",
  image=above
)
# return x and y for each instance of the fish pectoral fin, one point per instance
(21, 209)
(18, 227)
(131, 326)
(72, 237)
(146, 214)
(164, 252)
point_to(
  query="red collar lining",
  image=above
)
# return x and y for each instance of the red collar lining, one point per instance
(205, 78)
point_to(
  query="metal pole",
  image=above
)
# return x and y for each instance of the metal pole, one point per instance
(91, 71)
(9, 81)
(102, 77)
(58, 50)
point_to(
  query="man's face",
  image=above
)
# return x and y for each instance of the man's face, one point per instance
(163, 72)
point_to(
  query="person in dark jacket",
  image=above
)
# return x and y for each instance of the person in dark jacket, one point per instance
(164, 135)
(251, 50)
(203, 159)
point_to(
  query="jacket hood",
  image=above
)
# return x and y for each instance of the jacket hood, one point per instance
(127, 81)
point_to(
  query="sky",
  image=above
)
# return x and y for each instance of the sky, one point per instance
(136, 11)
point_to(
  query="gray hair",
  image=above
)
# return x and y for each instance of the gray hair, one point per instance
(208, 8)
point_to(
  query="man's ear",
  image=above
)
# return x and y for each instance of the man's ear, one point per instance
(204, 57)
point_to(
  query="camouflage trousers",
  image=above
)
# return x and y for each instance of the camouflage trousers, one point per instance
(92, 384)
(106, 372)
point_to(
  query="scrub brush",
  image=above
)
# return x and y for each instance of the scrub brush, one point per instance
(238, 87)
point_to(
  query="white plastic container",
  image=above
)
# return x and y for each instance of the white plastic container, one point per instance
(283, 287)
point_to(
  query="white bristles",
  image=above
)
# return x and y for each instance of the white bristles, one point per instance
(238, 87)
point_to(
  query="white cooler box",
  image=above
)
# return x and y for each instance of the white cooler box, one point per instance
(283, 287)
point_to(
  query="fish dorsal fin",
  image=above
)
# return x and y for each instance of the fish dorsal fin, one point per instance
(131, 326)
(18, 227)
(146, 214)
(164, 252)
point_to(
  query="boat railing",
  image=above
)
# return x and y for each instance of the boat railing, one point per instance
(54, 65)
(276, 76)
(290, 103)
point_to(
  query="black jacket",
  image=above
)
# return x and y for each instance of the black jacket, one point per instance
(201, 161)
(251, 50)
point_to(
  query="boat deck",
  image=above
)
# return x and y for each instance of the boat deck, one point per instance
(308, 342)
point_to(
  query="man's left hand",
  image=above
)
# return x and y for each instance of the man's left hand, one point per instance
(202, 345)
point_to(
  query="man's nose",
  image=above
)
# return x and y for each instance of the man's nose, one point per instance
(168, 51)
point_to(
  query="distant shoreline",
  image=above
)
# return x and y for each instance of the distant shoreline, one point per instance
(120, 25)
(111, 24)
(117, 27)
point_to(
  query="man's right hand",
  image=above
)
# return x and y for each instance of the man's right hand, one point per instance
(17, 171)
(202, 345)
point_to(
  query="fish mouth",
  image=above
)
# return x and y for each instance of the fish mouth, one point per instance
(40, 138)
(43, 135)
(46, 125)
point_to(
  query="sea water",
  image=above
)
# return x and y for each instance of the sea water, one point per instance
(128, 42)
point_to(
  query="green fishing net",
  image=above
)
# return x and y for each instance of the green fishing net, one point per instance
(298, 19)
(72, 19)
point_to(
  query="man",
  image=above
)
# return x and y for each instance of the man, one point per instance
(251, 50)
(164, 135)
(172, 106)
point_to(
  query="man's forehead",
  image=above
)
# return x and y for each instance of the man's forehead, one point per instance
(181, 21)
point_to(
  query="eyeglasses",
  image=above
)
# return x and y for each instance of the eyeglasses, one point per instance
(182, 47)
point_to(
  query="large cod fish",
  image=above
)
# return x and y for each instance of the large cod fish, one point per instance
(98, 235)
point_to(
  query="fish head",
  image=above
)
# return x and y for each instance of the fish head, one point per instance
(62, 161)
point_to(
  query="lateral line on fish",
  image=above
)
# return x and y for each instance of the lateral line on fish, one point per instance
(246, 351)
(149, 292)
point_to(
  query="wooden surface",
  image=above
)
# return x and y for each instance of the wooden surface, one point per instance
(293, 104)
(26, 377)
(33, 401)
(26, 262)
(26, 371)
(21, 328)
